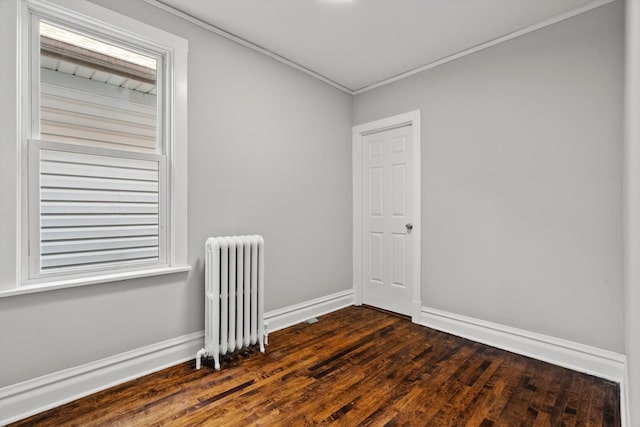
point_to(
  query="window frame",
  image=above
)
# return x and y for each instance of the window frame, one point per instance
(171, 132)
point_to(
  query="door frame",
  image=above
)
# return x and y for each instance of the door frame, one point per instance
(411, 118)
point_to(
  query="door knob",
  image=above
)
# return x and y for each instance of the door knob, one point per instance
(409, 226)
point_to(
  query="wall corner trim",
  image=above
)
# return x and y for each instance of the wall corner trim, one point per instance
(578, 357)
(39, 394)
(625, 410)
(291, 315)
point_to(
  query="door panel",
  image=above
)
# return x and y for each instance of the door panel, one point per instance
(377, 257)
(399, 185)
(376, 179)
(399, 259)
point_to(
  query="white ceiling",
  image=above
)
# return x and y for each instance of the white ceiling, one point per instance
(359, 43)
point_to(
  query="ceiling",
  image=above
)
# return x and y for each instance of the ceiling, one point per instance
(360, 43)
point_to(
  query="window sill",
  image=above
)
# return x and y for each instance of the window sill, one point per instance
(83, 281)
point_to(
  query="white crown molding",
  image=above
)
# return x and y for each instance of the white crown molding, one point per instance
(578, 357)
(521, 32)
(531, 28)
(32, 396)
(246, 43)
(289, 316)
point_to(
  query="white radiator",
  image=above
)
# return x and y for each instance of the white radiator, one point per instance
(234, 296)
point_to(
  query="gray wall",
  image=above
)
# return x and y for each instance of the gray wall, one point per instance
(521, 191)
(269, 153)
(521, 179)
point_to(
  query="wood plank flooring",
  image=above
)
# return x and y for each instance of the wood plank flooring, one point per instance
(355, 367)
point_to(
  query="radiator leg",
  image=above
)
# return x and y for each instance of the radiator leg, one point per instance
(266, 336)
(199, 355)
(216, 361)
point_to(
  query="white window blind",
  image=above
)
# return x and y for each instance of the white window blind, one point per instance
(97, 207)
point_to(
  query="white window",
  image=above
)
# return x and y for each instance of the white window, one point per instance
(103, 154)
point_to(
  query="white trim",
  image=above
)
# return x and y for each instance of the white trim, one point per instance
(515, 34)
(246, 43)
(30, 397)
(20, 130)
(411, 118)
(112, 25)
(625, 410)
(93, 279)
(521, 32)
(39, 394)
(294, 314)
(579, 357)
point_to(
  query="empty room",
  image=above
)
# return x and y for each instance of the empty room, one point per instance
(315, 212)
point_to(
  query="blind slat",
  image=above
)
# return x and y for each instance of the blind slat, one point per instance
(97, 232)
(63, 260)
(68, 194)
(97, 220)
(97, 244)
(57, 181)
(74, 208)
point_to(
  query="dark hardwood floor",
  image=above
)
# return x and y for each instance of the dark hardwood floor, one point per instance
(355, 367)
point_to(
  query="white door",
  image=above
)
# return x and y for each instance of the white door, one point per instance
(388, 209)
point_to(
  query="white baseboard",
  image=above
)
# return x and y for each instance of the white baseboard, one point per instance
(289, 316)
(569, 354)
(30, 397)
(21, 400)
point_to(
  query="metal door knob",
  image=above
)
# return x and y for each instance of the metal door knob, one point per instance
(409, 226)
